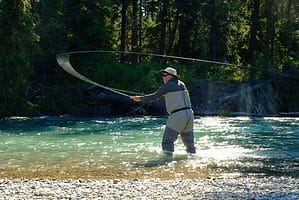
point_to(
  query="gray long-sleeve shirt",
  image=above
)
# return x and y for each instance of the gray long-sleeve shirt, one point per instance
(175, 93)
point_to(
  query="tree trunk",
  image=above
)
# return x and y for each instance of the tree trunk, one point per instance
(181, 49)
(134, 33)
(252, 35)
(213, 30)
(123, 29)
(270, 29)
(172, 33)
(140, 26)
(163, 22)
(288, 10)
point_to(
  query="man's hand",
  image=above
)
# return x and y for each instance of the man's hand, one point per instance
(136, 98)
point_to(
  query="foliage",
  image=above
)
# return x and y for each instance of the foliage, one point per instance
(17, 41)
(208, 29)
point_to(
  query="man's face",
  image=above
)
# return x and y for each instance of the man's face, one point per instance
(166, 77)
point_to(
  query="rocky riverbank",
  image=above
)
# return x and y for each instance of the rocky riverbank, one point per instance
(239, 187)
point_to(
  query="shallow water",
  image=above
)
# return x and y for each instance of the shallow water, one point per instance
(109, 147)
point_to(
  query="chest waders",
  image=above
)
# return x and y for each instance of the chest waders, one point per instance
(180, 121)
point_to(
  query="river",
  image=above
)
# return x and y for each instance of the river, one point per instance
(130, 147)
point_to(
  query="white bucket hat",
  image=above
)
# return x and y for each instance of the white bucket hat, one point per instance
(170, 71)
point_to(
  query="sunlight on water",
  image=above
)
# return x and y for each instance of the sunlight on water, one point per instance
(70, 145)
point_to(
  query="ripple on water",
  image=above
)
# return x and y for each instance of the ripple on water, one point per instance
(131, 147)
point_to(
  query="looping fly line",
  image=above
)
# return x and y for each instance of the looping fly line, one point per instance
(63, 60)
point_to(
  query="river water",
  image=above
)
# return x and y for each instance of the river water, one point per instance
(129, 147)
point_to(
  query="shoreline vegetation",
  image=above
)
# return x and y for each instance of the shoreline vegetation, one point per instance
(213, 98)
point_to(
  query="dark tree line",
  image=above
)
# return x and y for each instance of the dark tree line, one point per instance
(252, 33)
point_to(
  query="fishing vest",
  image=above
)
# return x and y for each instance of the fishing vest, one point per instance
(177, 100)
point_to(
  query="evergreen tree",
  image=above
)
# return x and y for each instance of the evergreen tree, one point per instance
(17, 40)
(53, 29)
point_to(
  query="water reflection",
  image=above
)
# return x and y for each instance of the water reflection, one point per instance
(234, 145)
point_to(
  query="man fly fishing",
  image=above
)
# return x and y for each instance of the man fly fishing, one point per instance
(178, 106)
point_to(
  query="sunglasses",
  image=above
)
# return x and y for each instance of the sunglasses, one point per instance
(163, 75)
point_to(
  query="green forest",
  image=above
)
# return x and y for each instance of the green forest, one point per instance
(258, 38)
